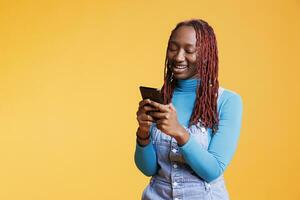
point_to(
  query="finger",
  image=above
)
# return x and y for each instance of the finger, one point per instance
(160, 122)
(161, 107)
(160, 115)
(145, 123)
(143, 102)
(149, 108)
(144, 109)
(145, 117)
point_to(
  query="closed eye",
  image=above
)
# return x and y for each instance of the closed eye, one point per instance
(191, 50)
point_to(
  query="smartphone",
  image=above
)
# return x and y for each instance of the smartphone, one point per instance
(153, 94)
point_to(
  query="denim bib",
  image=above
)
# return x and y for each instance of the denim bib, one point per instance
(175, 179)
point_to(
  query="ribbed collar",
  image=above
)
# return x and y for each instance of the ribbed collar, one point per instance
(187, 85)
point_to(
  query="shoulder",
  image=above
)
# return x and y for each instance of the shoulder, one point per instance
(228, 94)
(229, 99)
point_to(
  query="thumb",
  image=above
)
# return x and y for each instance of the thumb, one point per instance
(171, 106)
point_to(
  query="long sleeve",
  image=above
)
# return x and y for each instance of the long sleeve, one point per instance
(210, 164)
(145, 159)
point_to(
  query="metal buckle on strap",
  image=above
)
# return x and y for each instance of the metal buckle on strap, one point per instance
(207, 186)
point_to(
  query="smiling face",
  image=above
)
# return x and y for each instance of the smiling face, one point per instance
(182, 53)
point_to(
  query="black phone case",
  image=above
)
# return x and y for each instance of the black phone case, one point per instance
(153, 94)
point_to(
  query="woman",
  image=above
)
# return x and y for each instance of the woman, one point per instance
(186, 143)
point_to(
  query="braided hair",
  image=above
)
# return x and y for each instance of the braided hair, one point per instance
(205, 107)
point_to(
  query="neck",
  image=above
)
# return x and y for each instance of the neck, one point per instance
(187, 85)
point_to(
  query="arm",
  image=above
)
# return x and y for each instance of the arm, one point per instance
(210, 164)
(145, 158)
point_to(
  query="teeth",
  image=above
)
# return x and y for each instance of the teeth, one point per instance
(180, 66)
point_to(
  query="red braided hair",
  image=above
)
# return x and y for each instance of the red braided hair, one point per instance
(205, 108)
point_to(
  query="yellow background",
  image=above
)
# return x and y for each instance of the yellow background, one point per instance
(69, 77)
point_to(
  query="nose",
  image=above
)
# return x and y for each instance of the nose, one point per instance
(179, 57)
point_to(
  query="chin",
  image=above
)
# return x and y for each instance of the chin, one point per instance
(181, 76)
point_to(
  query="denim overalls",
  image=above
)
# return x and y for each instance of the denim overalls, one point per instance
(175, 179)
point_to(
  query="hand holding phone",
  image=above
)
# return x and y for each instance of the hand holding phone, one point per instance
(145, 121)
(153, 94)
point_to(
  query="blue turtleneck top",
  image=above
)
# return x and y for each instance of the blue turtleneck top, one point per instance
(208, 164)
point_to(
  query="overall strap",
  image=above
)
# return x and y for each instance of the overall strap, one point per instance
(220, 92)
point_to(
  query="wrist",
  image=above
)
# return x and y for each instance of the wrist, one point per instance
(142, 138)
(143, 143)
(142, 133)
(182, 136)
(146, 137)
